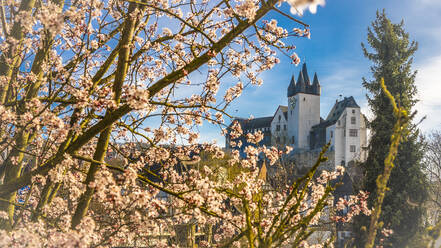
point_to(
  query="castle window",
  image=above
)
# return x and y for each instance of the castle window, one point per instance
(353, 132)
(280, 117)
(278, 128)
(352, 120)
(353, 111)
(338, 123)
(352, 148)
(304, 98)
(332, 134)
(284, 127)
(292, 139)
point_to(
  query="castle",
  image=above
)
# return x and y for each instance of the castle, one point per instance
(300, 126)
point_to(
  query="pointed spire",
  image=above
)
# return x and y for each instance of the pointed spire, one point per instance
(316, 85)
(315, 81)
(300, 83)
(262, 172)
(292, 87)
(305, 74)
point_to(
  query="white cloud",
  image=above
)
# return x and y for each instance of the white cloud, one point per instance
(428, 81)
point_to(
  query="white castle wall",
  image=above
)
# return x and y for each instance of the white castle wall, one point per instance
(306, 113)
(279, 119)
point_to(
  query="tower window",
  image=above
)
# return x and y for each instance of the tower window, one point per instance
(353, 120)
(352, 148)
(332, 134)
(284, 127)
(353, 132)
(353, 111)
(304, 98)
(280, 117)
(278, 128)
(338, 123)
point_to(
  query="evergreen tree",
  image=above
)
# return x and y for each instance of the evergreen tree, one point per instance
(392, 56)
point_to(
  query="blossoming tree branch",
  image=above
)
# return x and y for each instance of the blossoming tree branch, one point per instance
(99, 107)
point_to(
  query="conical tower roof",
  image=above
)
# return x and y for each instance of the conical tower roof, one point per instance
(315, 81)
(292, 87)
(316, 85)
(300, 87)
(305, 74)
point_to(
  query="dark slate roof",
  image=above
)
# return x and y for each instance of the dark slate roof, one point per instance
(305, 74)
(322, 124)
(303, 84)
(337, 110)
(250, 124)
(315, 81)
(292, 87)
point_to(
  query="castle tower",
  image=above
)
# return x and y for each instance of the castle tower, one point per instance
(303, 108)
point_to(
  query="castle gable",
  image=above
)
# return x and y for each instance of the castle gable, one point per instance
(284, 110)
(339, 107)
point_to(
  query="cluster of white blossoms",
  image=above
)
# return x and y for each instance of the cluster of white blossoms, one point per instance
(299, 6)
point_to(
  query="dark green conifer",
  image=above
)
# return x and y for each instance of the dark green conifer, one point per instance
(391, 53)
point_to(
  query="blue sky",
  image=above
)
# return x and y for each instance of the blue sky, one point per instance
(334, 52)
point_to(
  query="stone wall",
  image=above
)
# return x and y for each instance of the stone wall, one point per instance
(306, 159)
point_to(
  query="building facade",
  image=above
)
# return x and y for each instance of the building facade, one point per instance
(299, 125)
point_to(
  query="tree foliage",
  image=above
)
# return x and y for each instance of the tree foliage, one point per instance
(402, 211)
